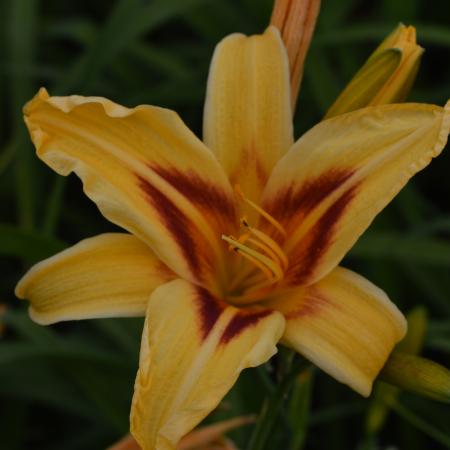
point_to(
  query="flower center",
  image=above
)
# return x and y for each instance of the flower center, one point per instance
(264, 260)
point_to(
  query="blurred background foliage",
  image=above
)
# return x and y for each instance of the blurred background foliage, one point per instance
(69, 386)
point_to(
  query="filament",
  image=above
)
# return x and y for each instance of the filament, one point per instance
(261, 211)
(268, 243)
(269, 267)
(262, 252)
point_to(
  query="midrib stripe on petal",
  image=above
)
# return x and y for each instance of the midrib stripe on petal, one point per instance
(209, 346)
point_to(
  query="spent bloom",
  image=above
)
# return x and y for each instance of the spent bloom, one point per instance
(209, 437)
(234, 243)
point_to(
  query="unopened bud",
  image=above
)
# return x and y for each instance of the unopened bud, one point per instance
(296, 20)
(413, 342)
(386, 77)
(385, 395)
(418, 375)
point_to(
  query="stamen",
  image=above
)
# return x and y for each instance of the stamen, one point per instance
(257, 208)
(264, 247)
(245, 238)
(257, 263)
(267, 243)
(262, 251)
(272, 270)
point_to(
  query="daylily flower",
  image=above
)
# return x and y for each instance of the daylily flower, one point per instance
(235, 241)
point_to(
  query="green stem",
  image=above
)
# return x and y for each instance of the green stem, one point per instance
(272, 407)
(264, 377)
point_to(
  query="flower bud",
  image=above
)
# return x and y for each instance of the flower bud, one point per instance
(418, 375)
(296, 20)
(413, 342)
(386, 77)
(385, 395)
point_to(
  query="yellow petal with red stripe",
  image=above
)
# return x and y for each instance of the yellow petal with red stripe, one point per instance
(193, 348)
(344, 324)
(248, 118)
(110, 275)
(146, 172)
(333, 182)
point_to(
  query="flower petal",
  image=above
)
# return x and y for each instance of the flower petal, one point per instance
(248, 118)
(333, 182)
(193, 348)
(344, 324)
(145, 170)
(108, 275)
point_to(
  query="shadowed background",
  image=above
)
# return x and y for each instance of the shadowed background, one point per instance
(69, 386)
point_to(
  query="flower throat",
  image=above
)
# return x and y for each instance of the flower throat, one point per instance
(265, 260)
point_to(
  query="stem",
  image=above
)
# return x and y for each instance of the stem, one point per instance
(265, 379)
(271, 408)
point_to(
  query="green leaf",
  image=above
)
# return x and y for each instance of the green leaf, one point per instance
(403, 248)
(115, 37)
(22, 38)
(321, 79)
(299, 408)
(29, 246)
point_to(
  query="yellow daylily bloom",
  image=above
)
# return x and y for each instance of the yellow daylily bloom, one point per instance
(237, 240)
(386, 77)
